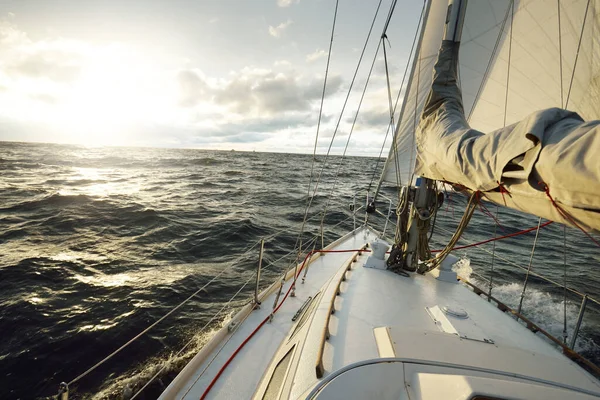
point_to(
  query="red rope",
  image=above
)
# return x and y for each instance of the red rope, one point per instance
(230, 359)
(502, 191)
(497, 238)
(566, 214)
(487, 212)
(264, 321)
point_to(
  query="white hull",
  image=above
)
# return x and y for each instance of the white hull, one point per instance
(388, 338)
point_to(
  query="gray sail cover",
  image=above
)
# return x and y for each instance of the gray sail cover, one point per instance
(519, 63)
(515, 58)
(552, 153)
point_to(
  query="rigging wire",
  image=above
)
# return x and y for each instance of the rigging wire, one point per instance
(562, 104)
(587, 7)
(111, 355)
(565, 283)
(392, 110)
(414, 133)
(492, 57)
(380, 43)
(491, 285)
(310, 198)
(312, 164)
(537, 233)
(335, 179)
(496, 222)
(406, 71)
(560, 56)
(512, 21)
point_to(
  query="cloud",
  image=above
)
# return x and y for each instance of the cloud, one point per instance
(259, 92)
(282, 63)
(44, 98)
(192, 87)
(286, 3)
(373, 118)
(57, 60)
(279, 29)
(213, 20)
(53, 65)
(314, 89)
(316, 55)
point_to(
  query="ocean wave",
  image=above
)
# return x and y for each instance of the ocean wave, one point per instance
(75, 264)
(53, 201)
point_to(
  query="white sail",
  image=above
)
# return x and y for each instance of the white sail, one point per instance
(536, 52)
(401, 158)
(547, 159)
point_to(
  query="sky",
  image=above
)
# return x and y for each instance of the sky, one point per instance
(222, 74)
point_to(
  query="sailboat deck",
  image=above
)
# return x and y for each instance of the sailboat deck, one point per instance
(241, 377)
(406, 313)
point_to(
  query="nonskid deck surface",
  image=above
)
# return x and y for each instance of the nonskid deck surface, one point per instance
(408, 312)
(241, 377)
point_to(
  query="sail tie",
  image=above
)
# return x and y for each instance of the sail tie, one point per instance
(503, 190)
(565, 214)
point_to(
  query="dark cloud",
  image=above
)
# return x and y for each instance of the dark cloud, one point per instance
(373, 118)
(315, 89)
(270, 93)
(265, 125)
(265, 94)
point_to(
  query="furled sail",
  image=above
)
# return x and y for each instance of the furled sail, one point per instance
(401, 160)
(519, 64)
(541, 158)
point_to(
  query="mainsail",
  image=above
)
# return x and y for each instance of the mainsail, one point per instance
(519, 66)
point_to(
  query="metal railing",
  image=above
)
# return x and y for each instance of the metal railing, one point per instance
(64, 387)
(568, 348)
(568, 351)
(366, 206)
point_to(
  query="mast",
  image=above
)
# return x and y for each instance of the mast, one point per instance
(391, 157)
(425, 192)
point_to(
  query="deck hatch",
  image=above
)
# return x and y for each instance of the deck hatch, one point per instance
(458, 324)
(385, 348)
(278, 377)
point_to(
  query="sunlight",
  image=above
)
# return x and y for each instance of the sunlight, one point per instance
(116, 92)
(96, 182)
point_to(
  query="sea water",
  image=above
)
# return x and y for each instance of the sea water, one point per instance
(96, 244)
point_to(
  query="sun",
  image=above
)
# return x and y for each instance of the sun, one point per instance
(115, 93)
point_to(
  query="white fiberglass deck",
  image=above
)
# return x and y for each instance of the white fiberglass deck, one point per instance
(240, 379)
(403, 315)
